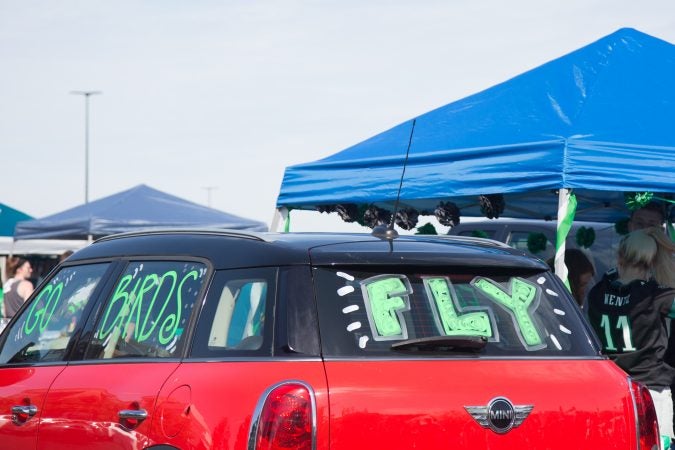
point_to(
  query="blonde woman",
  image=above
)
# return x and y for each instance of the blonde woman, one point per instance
(628, 309)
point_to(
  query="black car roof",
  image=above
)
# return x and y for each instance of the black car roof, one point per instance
(230, 249)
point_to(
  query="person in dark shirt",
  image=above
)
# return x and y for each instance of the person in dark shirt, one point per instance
(18, 287)
(629, 308)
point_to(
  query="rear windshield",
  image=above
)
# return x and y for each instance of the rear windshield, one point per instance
(371, 313)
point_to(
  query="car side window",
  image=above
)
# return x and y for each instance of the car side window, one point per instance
(519, 241)
(44, 329)
(236, 312)
(148, 310)
(478, 233)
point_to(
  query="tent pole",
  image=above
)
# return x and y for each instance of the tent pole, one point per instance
(280, 216)
(567, 205)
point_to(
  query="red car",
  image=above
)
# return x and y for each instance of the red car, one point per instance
(171, 340)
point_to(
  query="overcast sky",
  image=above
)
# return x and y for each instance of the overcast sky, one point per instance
(211, 100)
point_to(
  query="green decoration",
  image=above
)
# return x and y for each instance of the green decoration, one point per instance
(621, 226)
(585, 237)
(287, 223)
(536, 242)
(42, 309)
(480, 234)
(565, 218)
(387, 297)
(453, 324)
(637, 200)
(135, 305)
(518, 302)
(427, 228)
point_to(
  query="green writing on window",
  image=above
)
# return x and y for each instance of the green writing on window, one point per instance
(150, 306)
(43, 307)
(517, 302)
(453, 324)
(386, 298)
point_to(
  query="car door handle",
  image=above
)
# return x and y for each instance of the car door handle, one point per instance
(21, 413)
(133, 414)
(131, 418)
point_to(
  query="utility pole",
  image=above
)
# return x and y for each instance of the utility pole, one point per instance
(208, 190)
(86, 95)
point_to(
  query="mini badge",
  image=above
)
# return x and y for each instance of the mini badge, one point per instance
(500, 415)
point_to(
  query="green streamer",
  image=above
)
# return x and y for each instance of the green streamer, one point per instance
(287, 223)
(564, 227)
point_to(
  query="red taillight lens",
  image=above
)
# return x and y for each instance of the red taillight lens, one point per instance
(286, 419)
(647, 424)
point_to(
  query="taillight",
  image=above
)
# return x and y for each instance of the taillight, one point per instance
(648, 436)
(284, 419)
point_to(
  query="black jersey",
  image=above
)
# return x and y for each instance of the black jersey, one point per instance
(630, 320)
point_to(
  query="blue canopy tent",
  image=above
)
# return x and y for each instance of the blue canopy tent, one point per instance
(141, 207)
(597, 122)
(8, 219)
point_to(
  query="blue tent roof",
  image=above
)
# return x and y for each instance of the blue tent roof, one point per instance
(138, 208)
(598, 120)
(8, 219)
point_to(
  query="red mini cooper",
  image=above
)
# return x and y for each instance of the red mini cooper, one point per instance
(189, 340)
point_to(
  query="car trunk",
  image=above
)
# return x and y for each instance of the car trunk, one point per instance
(422, 404)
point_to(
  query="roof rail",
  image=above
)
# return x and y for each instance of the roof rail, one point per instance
(473, 240)
(203, 231)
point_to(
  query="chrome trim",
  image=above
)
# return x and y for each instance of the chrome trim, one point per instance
(24, 410)
(139, 415)
(133, 414)
(481, 414)
(258, 236)
(255, 418)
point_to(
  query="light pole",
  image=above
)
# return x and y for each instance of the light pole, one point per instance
(86, 95)
(209, 189)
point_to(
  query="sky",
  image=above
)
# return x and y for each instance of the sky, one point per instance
(211, 100)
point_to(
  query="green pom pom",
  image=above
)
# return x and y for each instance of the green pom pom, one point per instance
(427, 228)
(479, 234)
(536, 242)
(585, 237)
(637, 200)
(621, 226)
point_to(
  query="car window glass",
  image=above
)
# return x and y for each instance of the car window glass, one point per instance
(234, 318)
(44, 329)
(478, 233)
(519, 241)
(520, 314)
(148, 310)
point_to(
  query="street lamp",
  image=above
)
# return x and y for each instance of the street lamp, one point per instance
(86, 95)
